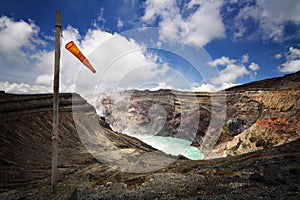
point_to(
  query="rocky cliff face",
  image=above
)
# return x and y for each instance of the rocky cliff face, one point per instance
(25, 149)
(230, 122)
(25, 140)
(259, 119)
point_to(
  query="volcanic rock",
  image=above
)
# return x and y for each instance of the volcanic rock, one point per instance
(259, 138)
(231, 122)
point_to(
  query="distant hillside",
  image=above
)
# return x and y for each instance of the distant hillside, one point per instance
(289, 81)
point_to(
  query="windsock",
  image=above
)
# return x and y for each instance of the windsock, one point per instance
(70, 46)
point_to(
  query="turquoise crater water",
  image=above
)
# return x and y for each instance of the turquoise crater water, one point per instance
(173, 146)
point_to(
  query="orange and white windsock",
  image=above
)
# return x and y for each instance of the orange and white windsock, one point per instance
(70, 46)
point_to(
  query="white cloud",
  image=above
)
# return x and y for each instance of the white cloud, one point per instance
(253, 66)
(14, 35)
(253, 70)
(292, 63)
(290, 66)
(278, 56)
(45, 79)
(24, 88)
(161, 85)
(230, 74)
(188, 29)
(120, 24)
(270, 16)
(101, 16)
(221, 61)
(231, 70)
(245, 58)
(18, 44)
(123, 63)
(280, 10)
(228, 85)
(294, 53)
(207, 87)
(35, 68)
(25, 66)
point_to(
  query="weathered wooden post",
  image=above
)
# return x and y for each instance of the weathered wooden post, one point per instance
(56, 100)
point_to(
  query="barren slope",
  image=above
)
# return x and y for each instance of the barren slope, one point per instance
(271, 172)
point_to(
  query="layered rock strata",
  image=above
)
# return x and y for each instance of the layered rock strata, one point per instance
(25, 166)
(230, 122)
(25, 140)
(256, 119)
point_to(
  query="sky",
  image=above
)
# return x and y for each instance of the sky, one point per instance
(200, 45)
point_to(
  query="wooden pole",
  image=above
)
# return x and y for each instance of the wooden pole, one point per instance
(55, 101)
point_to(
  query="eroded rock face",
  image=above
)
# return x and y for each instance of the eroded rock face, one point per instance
(25, 165)
(169, 113)
(273, 119)
(255, 119)
(164, 112)
(25, 140)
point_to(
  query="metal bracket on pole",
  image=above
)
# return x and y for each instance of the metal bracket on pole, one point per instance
(56, 101)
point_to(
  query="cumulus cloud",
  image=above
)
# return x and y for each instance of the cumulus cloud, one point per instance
(292, 63)
(120, 62)
(189, 24)
(45, 79)
(271, 18)
(129, 65)
(294, 53)
(253, 70)
(291, 66)
(101, 16)
(233, 70)
(205, 87)
(278, 56)
(32, 67)
(19, 40)
(11, 39)
(230, 74)
(245, 58)
(120, 24)
(229, 71)
(221, 61)
(254, 66)
(23, 88)
(208, 87)
(161, 85)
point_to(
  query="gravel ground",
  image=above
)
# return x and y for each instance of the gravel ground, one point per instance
(269, 174)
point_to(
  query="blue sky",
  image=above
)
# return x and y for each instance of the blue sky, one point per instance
(245, 41)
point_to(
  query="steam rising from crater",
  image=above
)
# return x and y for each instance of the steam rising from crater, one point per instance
(144, 61)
